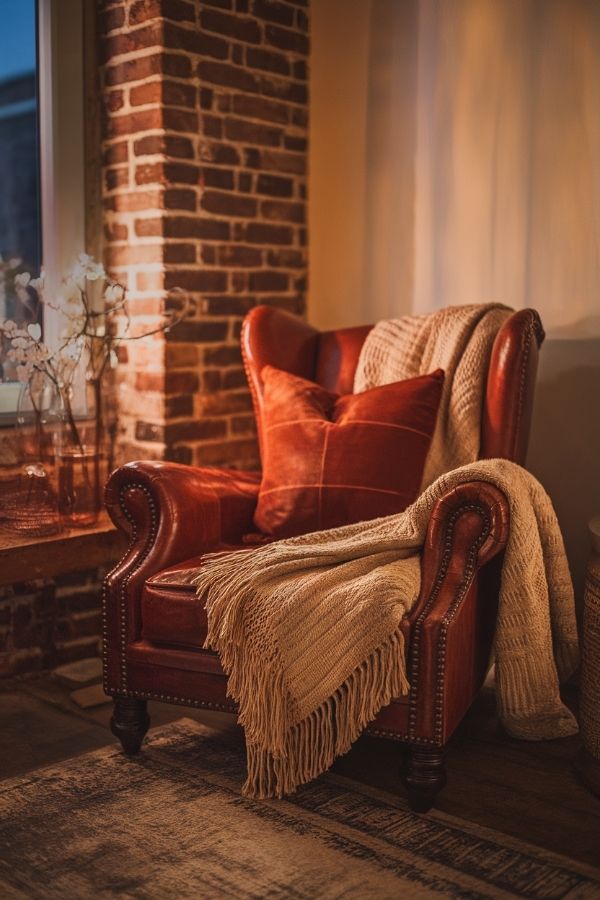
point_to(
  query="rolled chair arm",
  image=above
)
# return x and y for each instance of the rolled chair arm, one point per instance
(450, 628)
(184, 510)
(171, 513)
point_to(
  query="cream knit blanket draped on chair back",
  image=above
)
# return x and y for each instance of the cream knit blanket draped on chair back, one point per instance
(457, 339)
(308, 629)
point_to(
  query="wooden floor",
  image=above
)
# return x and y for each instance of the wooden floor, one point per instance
(528, 790)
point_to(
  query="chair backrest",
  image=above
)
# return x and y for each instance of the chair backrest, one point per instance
(273, 337)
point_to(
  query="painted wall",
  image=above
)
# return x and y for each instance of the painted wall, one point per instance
(481, 181)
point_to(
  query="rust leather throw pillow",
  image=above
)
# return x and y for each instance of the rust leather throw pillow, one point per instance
(330, 460)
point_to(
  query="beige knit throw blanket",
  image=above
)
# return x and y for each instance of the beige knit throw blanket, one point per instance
(457, 339)
(308, 628)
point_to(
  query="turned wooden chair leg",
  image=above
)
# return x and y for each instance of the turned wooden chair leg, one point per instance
(129, 722)
(424, 777)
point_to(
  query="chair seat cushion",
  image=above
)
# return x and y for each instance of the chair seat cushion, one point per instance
(172, 613)
(330, 460)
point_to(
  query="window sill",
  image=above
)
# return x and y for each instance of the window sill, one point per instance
(25, 558)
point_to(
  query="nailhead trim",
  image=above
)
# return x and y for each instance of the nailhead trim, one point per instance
(418, 626)
(167, 698)
(154, 519)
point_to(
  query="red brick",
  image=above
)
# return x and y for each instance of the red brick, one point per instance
(221, 154)
(302, 21)
(291, 91)
(178, 10)
(177, 355)
(199, 332)
(283, 212)
(134, 202)
(273, 11)
(179, 405)
(243, 424)
(180, 253)
(286, 39)
(115, 178)
(195, 280)
(180, 199)
(212, 126)
(259, 108)
(268, 281)
(221, 178)
(114, 100)
(130, 123)
(209, 45)
(300, 70)
(229, 76)
(130, 256)
(180, 120)
(223, 356)
(144, 94)
(277, 161)
(245, 182)
(274, 185)
(189, 227)
(167, 145)
(228, 204)
(149, 281)
(111, 20)
(226, 454)
(225, 402)
(295, 142)
(115, 153)
(200, 429)
(167, 173)
(258, 233)
(235, 26)
(286, 259)
(234, 255)
(145, 66)
(148, 227)
(268, 60)
(179, 454)
(181, 382)
(252, 133)
(208, 254)
(114, 231)
(131, 41)
(235, 378)
(227, 305)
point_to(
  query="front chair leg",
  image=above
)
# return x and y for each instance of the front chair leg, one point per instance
(130, 722)
(424, 777)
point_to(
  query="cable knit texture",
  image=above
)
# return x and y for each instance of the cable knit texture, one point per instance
(308, 629)
(457, 339)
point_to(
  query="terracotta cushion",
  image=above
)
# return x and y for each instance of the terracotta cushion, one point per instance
(329, 460)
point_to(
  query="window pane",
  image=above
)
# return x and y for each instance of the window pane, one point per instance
(20, 219)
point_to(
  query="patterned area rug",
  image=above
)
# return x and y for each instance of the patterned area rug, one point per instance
(171, 824)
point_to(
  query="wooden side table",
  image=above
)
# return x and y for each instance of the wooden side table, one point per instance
(588, 759)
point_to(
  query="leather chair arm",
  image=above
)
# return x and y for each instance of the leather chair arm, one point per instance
(450, 628)
(176, 511)
(171, 513)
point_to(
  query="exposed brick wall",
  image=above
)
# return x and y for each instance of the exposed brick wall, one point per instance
(204, 181)
(46, 622)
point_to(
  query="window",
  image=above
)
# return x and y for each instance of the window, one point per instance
(42, 206)
(20, 218)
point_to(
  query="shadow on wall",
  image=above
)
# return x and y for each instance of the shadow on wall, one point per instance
(564, 451)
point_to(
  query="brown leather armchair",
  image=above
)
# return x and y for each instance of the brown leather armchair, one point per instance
(154, 630)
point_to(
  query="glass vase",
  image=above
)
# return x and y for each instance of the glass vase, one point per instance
(82, 472)
(30, 501)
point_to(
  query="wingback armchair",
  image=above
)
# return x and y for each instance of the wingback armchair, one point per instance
(155, 625)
